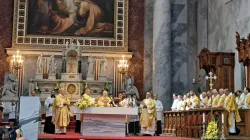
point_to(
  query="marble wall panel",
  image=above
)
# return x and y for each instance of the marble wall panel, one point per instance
(29, 72)
(223, 21)
(5, 34)
(136, 42)
(148, 44)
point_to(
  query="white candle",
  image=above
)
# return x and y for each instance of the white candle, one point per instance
(203, 117)
(222, 118)
(193, 80)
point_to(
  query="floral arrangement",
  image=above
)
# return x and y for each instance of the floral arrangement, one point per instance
(212, 131)
(82, 104)
(86, 101)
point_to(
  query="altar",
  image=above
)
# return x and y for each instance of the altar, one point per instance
(104, 121)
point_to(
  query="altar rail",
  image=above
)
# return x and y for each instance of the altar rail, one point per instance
(189, 123)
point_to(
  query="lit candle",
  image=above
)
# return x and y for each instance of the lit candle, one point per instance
(222, 118)
(203, 117)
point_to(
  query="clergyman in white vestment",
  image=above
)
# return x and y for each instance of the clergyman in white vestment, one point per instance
(159, 111)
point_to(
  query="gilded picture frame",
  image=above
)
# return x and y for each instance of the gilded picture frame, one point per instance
(22, 38)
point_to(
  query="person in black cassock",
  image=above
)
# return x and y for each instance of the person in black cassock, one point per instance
(49, 127)
(12, 131)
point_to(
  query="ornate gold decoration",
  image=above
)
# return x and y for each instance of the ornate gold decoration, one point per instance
(20, 38)
(71, 77)
(71, 88)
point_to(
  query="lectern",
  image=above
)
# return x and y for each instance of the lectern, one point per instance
(221, 64)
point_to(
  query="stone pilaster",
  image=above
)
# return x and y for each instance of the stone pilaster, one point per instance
(162, 51)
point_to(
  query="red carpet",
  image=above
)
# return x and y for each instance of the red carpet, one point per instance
(74, 136)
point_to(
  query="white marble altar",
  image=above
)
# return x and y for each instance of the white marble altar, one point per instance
(104, 121)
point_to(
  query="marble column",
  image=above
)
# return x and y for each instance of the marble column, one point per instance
(192, 59)
(162, 51)
(202, 18)
(202, 28)
(148, 45)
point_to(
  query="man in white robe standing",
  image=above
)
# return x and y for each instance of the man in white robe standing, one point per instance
(159, 111)
(175, 102)
(241, 98)
(247, 99)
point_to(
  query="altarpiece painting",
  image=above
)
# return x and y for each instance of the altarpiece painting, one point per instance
(99, 25)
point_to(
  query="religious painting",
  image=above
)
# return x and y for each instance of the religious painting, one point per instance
(99, 25)
(84, 18)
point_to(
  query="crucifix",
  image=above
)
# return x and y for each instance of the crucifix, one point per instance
(211, 78)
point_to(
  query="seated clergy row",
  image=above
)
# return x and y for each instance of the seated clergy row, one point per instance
(222, 99)
(151, 112)
(191, 101)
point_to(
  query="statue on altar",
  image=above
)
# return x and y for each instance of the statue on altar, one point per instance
(91, 61)
(52, 67)
(64, 65)
(129, 87)
(40, 64)
(10, 86)
(103, 67)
